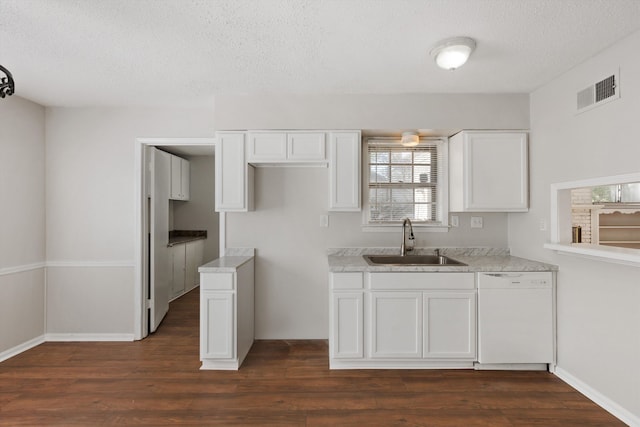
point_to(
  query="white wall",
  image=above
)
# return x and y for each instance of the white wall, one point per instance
(412, 111)
(22, 221)
(291, 265)
(90, 210)
(598, 302)
(199, 212)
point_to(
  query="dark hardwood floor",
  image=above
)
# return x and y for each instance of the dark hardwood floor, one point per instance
(157, 381)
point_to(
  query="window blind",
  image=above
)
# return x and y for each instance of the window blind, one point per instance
(403, 181)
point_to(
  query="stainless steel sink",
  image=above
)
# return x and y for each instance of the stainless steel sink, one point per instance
(411, 260)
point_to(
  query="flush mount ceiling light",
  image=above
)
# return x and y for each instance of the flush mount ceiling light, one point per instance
(410, 139)
(7, 85)
(453, 53)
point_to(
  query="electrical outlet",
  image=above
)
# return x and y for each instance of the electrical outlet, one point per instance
(324, 221)
(476, 222)
(455, 221)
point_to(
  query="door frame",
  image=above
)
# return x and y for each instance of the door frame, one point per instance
(140, 301)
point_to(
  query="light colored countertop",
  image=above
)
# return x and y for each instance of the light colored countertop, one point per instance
(233, 259)
(477, 260)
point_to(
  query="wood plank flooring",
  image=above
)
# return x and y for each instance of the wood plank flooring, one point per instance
(157, 382)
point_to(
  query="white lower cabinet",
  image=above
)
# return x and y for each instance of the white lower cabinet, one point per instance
(449, 320)
(402, 320)
(396, 324)
(218, 314)
(185, 258)
(226, 317)
(346, 324)
(178, 262)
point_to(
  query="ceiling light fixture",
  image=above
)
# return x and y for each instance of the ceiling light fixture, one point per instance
(453, 53)
(7, 85)
(410, 139)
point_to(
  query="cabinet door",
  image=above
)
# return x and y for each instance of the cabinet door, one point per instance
(344, 171)
(176, 178)
(194, 258)
(449, 325)
(217, 325)
(267, 147)
(489, 172)
(185, 179)
(346, 333)
(306, 146)
(178, 256)
(179, 178)
(396, 325)
(233, 181)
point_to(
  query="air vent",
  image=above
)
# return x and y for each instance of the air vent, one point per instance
(599, 93)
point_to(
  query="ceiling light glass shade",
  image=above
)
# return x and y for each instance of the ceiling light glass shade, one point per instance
(410, 139)
(453, 53)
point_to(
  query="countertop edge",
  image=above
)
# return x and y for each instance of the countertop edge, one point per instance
(225, 264)
(184, 240)
(475, 264)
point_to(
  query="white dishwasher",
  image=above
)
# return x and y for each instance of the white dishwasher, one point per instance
(515, 319)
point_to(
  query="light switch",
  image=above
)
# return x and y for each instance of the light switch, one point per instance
(543, 225)
(324, 221)
(455, 221)
(476, 222)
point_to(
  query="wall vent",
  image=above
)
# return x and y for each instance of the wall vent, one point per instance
(606, 90)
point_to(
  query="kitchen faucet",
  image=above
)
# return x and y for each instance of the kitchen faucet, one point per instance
(403, 247)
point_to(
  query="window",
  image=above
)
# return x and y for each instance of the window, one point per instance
(405, 182)
(567, 197)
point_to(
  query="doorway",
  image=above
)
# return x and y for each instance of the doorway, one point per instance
(147, 296)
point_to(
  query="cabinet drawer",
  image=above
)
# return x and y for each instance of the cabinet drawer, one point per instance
(346, 280)
(396, 281)
(216, 281)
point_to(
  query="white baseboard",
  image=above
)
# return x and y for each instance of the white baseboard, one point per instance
(88, 337)
(7, 354)
(609, 405)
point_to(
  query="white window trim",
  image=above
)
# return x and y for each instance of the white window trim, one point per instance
(442, 197)
(561, 223)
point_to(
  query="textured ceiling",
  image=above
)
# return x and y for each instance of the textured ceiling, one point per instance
(184, 52)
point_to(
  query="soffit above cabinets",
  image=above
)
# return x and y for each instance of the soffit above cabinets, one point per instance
(397, 133)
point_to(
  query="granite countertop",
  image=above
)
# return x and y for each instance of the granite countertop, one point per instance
(477, 260)
(177, 237)
(233, 259)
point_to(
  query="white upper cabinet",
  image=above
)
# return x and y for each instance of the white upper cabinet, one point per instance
(179, 178)
(488, 172)
(234, 177)
(286, 147)
(344, 171)
(267, 147)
